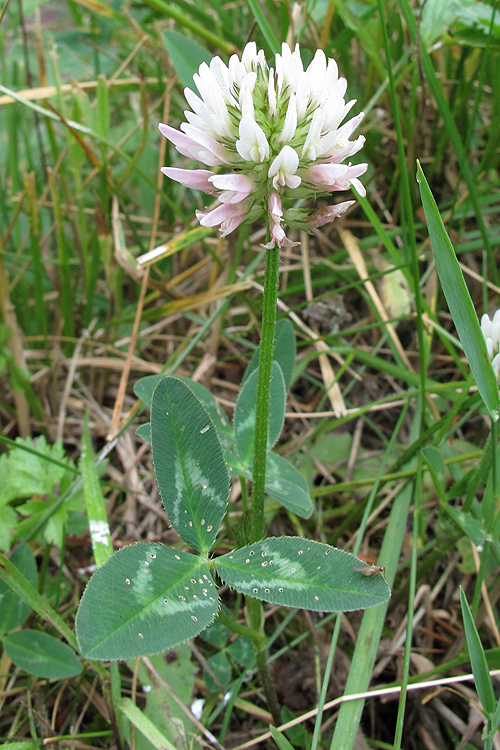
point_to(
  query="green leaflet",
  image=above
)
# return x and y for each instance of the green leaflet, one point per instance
(186, 55)
(190, 468)
(244, 414)
(297, 572)
(284, 353)
(145, 599)
(41, 654)
(287, 485)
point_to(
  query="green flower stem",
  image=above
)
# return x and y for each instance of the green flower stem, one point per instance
(257, 529)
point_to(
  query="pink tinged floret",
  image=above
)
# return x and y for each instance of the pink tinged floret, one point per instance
(227, 216)
(282, 170)
(196, 179)
(335, 177)
(236, 187)
(208, 149)
(278, 236)
(183, 143)
(329, 213)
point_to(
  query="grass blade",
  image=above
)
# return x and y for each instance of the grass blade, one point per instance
(478, 661)
(459, 301)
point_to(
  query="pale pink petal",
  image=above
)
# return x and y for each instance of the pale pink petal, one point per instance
(236, 187)
(329, 213)
(206, 143)
(334, 177)
(196, 179)
(182, 142)
(227, 215)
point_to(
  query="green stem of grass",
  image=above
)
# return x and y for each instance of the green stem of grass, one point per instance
(494, 459)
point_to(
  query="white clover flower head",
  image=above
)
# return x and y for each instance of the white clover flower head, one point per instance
(275, 136)
(490, 328)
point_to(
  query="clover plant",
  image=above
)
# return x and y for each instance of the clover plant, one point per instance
(149, 597)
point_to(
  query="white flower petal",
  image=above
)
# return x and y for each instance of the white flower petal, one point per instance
(486, 325)
(252, 144)
(290, 124)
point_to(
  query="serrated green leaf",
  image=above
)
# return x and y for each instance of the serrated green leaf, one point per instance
(284, 353)
(297, 572)
(459, 301)
(244, 414)
(41, 654)
(479, 665)
(186, 56)
(8, 524)
(145, 599)
(33, 467)
(190, 469)
(13, 610)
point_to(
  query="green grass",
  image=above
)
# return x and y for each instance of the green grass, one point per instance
(403, 478)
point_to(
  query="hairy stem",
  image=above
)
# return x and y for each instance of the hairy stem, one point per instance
(257, 529)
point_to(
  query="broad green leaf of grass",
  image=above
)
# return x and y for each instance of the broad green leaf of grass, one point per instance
(478, 661)
(244, 413)
(41, 654)
(144, 725)
(161, 708)
(186, 56)
(100, 536)
(145, 599)
(280, 739)
(264, 26)
(459, 301)
(370, 630)
(22, 586)
(297, 572)
(103, 113)
(13, 610)
(190, 469)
